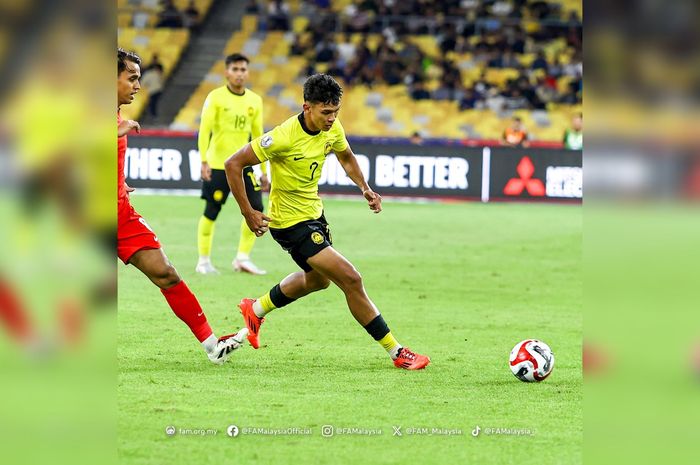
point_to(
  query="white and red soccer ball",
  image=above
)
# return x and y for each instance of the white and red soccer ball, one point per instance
(531, 360)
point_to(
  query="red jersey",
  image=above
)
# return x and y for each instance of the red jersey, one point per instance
(121, 155)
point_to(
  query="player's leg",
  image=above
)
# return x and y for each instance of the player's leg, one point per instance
(205, 237)
(214, 193)
(156, 266)
(14, 316)
(242, 262)
(331, 264)
(291, 288)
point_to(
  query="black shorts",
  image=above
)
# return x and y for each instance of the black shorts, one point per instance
(217, 190)
(304, 240)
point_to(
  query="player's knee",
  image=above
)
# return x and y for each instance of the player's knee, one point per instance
(166, 276)
(318, 283)
(352, 280)
(211, 210)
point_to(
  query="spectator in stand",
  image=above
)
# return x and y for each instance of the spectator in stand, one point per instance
(155, 62)
(573, 94)
(544, 92)
(448, 42)
(368, 74)
(392, 69)
(321, 4)
(170, 16)
(410, 53)
(413, 74)
(445, 91)
(556, 69)
(325, 50)
(252, 7)
(346, 50)
(504, 60)
(308, 70)
(152, 81)
(469, 100)
(494, 100)
(419, 91)
(278, 15)
(191, 16)
(540, 62)
(416, 138)
(336, 69)
(573, 136)
(482, 86)
(495, 43)
(299, 46)
(516, 100)
(515, 135)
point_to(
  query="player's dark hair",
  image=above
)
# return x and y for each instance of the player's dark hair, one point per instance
(322, 88)
(123, 56)
(234, 57)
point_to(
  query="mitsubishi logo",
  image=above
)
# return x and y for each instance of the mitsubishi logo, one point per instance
(525, 181)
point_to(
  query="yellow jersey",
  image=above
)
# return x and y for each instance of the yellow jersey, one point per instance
(228, 122)
(296, 157)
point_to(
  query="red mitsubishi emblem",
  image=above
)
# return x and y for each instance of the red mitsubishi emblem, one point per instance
(525, 170)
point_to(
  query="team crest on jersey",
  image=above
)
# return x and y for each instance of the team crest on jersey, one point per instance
(317, 238)
(266, 141)
(251, 111)
(327, 149)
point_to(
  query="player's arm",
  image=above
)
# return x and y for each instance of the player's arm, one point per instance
(526, 140)
(126, 126)
(349, 163)
(204, 137)
(257, 131)
(504, 139)
(234, 165)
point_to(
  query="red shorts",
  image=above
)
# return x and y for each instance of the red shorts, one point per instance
(133, 233)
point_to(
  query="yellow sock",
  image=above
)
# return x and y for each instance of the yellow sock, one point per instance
(205, 236)
(246, 242)
(266, 303)
(390, 344)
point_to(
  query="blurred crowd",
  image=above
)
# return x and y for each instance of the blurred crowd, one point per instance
(166, 14)
(538, 44)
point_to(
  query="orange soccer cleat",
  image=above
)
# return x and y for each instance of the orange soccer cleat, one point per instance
(409, 360)
(252, 321)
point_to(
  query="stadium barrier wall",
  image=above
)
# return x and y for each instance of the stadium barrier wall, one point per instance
(164, 160)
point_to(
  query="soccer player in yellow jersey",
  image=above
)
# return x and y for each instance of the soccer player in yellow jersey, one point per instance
(231, 117)
(297, 150)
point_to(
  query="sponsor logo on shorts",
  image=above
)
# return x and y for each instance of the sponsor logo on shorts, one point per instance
(317, 237)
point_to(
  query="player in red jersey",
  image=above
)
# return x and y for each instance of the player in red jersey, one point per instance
(138, 245)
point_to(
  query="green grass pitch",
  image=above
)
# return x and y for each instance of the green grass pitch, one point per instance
(460, 282)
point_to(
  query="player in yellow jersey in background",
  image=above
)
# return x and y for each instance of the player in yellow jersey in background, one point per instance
(297, 150)
(231, 117)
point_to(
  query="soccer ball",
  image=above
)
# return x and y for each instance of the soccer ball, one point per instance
(531, 360)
